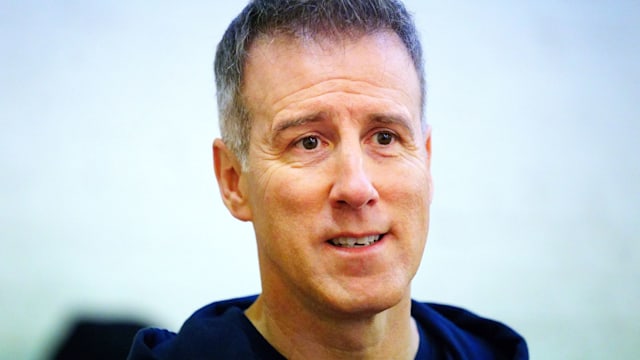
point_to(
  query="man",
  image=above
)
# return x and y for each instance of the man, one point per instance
(326, 151)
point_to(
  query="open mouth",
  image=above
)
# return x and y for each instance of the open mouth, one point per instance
(350, 242)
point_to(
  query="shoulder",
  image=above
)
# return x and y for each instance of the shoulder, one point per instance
(217, 331)
(462, 334)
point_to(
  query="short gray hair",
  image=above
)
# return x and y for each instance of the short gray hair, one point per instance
(299, 18)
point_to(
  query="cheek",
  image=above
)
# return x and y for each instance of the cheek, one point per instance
(286, 212)
(407, 201)
(410, 183)
(287, 194)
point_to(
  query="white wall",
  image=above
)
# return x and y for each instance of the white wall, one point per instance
(108, 204)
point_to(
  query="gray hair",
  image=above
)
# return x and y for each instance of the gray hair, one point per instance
(302, 19)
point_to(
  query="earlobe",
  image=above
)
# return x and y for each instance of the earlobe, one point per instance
(231, 181)
(427, 145)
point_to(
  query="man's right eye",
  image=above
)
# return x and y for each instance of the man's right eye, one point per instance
(309, 142)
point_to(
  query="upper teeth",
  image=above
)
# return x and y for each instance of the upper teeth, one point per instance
(353, 242)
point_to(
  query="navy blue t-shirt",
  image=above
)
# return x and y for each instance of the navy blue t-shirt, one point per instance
(221, 331)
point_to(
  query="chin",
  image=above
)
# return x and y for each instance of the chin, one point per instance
(363, 303)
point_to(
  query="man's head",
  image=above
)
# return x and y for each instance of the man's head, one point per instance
(336, 173)
(299, 19)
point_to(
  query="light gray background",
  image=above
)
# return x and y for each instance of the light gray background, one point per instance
(108, 203)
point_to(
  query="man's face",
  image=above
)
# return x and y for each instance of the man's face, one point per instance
(337, 156)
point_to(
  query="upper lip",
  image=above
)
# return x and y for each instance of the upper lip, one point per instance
(356, 235)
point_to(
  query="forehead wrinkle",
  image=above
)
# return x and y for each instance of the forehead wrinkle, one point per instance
(329, 85)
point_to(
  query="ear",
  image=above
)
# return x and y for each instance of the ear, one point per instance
(231, 181)
(427, 146)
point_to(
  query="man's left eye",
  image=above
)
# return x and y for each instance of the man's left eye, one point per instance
(384, 137)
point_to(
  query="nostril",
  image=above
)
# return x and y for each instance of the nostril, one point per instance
(357, 199)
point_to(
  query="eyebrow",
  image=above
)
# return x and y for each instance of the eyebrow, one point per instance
(391, 119)
(282, 126)
(286, 124)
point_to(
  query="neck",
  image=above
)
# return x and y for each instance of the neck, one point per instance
(301, 333)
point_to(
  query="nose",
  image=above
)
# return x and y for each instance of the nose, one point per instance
(352, 186)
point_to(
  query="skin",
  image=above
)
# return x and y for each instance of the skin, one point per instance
(336, 150)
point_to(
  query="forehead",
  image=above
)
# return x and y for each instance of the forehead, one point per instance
(281, 67)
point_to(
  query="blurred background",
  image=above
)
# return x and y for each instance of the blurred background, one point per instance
(109, 207)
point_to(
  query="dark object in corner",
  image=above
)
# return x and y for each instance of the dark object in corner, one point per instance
(93, 339)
